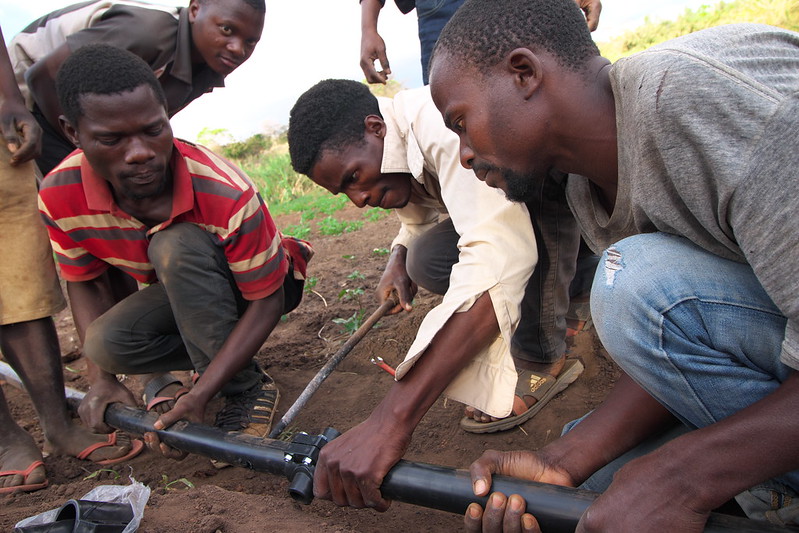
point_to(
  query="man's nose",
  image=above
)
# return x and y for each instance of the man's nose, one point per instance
(359, 198)
(237, 47)
(138, 151)
(466, 155)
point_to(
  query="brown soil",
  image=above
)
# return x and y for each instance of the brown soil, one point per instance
(237, 500)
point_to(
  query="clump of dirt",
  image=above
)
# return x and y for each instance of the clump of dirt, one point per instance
(236, 500)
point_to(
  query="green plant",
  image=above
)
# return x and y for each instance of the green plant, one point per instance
(381, 251)
(300, 231)
(352, 323)
(356, 275)
(114, 474)
(346, 295)
(374, 214)
(169, 485)
(332, 226)
(348, 256)
(310, 284)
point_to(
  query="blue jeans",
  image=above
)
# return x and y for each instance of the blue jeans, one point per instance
(433, 16)
(696, 331)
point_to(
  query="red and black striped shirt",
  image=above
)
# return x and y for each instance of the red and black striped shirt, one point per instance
(89, 231)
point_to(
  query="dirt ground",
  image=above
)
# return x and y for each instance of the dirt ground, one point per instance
(236, 500)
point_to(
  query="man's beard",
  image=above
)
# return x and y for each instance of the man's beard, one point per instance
(518, 187)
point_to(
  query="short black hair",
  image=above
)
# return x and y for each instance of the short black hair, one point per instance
(328, 116)
(258, 5)
(483, 32)
(101, 69)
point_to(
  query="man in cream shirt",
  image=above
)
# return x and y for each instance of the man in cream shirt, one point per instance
(397, 154)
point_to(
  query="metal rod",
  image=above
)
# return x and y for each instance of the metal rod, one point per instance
(328, 368)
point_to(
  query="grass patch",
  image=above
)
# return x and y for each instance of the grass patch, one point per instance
(300, 231)
(375, 213)
(332, 226)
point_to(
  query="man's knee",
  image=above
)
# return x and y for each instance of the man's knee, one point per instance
(99, 347)
(630, 290)
(169, 247)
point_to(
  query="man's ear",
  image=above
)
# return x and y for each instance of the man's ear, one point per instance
(194, 7)
(69, 130)
(526, 68)
(374, 125)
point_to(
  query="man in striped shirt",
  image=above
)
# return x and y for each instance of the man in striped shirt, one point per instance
(179, 219)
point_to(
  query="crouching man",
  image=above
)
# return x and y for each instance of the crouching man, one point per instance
(180, 220)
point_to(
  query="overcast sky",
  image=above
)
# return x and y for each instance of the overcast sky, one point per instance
(305, 41)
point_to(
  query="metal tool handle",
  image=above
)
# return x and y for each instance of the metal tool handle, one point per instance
(331, 364)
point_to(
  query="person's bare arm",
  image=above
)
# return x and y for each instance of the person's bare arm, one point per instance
(41, 82)
(699, 471)
(373, 48)
(673, 488)
(88, 300)
(22, 134)
(351, 468)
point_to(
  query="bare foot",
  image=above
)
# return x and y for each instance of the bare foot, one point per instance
(77, 438)
(520, 405)
(18, 451)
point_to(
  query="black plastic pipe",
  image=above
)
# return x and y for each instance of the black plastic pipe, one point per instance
(557, 509)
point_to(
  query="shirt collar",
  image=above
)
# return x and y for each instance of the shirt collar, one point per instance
(395, 143)
(99, 197)
(182, 67)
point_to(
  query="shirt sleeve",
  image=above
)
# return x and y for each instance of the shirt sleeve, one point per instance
(764, 218)
(415, 220)
(150, 34)
(74, 261)
(254, 249)
(497, 254)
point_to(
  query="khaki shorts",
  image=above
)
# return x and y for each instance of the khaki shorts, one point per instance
(29, 287)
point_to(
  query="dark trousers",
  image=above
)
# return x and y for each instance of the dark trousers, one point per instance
(433, 16)
(541, 334)
(181, 322)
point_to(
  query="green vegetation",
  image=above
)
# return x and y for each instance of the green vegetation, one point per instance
(356, 276)
(375, 213)
(351, 324)
(171, 485)
(310, 284)
(113, 474)
(351, 294)
(333, 226)
(782, 13)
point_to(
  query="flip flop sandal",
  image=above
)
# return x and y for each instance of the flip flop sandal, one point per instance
(136, 447)
(26, 487)
(156, 385)
(540, 386)
(86, 516)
